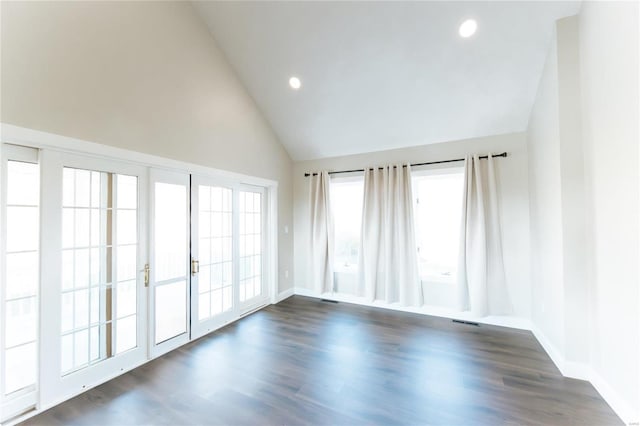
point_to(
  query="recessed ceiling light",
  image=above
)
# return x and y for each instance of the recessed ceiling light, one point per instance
(295, 83)
(468, 28)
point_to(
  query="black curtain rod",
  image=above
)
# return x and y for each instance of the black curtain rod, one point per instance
(484, 157)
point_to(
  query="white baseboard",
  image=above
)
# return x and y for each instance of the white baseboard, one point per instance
(574, 370)
(503, 321)
(284, 295)
(625, 411)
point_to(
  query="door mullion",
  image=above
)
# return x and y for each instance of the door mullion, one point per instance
(236, 251)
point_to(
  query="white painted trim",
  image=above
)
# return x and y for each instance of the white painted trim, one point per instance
(583, 371)
(16, 135)
(44, 407)
(283, 295)
(502, 321)
(615, 401)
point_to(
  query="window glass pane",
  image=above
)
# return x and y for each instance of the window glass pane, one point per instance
(126, 334)
(82, 188)
(22, 228)
(126, 298)
(68, 227)
(25, 184)
(171, 310)
(126, 268)
(68, 186)
(82, 231)
(227, 295)
(97, 180)
(67, 311)
(81, 309)
(67, 269)
(204, 311)
(437, 222)
(170, 231)
(19, 282)
(82, 268)
(204, 279)
(204, 197)
(250, 241)
(99, 207)
(67, 353)
(20, 367)
(20, 317)
(216, 301)
(94, 344)
(81, 348)
(127, 192)
(22, 274)
(126, 226)
(346, 205)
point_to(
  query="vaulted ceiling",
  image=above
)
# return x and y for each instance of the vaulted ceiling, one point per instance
(383, 75)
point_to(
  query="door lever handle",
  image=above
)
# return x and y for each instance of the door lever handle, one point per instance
(146, 274)
(195, 267)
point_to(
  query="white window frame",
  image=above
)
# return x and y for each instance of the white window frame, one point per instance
(23, 399)
(54, 386)
(438, 170)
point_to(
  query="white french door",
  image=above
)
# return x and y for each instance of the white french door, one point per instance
(169, 271)
(213, 225)
(252, 289)
(93, 248)
(19, 276)
(227, 241)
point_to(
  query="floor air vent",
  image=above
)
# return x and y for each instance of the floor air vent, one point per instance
(328, 301)
(466, 322)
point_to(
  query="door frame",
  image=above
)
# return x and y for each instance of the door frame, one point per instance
(53, 386)
(266, 291)
(269, 286)
(175, 178)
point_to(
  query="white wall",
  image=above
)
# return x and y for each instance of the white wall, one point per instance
(146, 76)
(609, 81)
(584, 181)
(543, 139)
(512, 182)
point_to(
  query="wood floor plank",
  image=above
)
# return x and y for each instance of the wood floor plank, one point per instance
(304, 361)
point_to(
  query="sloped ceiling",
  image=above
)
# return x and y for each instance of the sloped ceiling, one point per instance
(383, 75)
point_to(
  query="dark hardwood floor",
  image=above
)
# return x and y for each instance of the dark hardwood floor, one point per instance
(305, 361)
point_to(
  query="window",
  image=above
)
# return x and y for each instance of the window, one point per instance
(437, 215)
(250, 212)
(346, 204)
(20, 280)
(215, 234)
(99, 258)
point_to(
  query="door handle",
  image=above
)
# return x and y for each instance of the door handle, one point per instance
(146, 274)
(195, 267)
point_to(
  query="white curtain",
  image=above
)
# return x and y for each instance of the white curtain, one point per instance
(321, 250)
(388, 258)
(481, 280)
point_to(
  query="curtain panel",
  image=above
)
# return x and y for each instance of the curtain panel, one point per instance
(481, 280)
(388, 265)
(322, 240)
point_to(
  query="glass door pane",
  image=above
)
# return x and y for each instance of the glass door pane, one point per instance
(212, 249)
(19, 279)
(170, 259)
(99, 266)
(250, 211)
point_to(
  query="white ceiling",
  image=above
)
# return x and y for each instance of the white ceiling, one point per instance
(383, 75)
